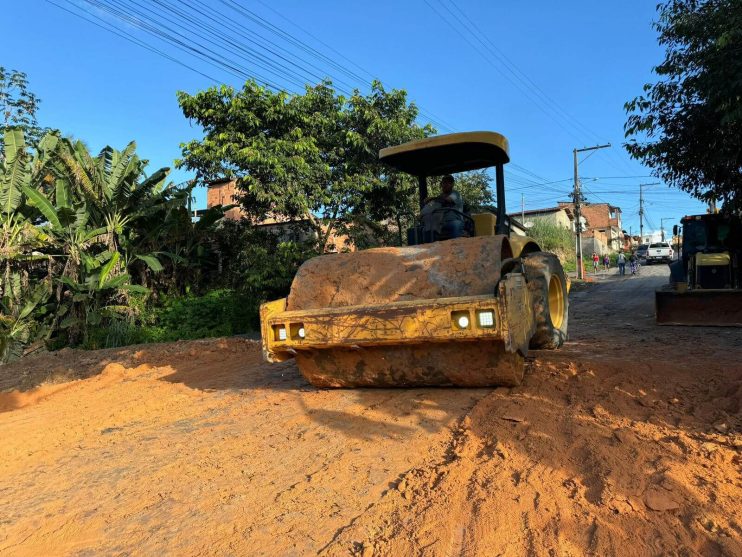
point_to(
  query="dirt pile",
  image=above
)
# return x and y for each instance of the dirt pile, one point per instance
(465, 267)
(200, 448)
(579, 461)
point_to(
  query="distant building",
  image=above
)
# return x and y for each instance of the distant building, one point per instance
(560, 216)
(224, 192)
(603, 222)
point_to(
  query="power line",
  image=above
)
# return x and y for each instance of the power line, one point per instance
(487, 59)
(143, 21)
(200, 33)
(521, 80)
(180, 42)
(103, 24)
(200, 29)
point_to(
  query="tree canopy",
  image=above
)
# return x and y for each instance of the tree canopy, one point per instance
(18, 106)
(310, 156)
(687, 126)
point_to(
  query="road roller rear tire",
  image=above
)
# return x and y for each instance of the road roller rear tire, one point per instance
(547, 285)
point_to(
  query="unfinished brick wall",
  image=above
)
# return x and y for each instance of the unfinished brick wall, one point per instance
(224, 193)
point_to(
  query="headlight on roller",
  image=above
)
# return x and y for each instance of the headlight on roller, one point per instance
(460, 320)
(486, 318)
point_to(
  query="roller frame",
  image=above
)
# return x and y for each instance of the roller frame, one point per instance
(402, 323)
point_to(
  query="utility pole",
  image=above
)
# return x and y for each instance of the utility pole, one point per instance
(523, 209)
(641, 210)
(578, 208)
(662, 226)
(641, 214)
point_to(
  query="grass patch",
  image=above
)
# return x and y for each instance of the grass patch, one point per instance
(556, 239)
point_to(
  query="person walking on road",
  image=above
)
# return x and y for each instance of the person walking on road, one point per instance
(621, 264)
(596, 260)
(606, 262)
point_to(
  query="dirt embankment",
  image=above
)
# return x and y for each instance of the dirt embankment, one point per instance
(626, 442)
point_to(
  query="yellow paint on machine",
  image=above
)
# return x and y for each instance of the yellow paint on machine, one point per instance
(505, 318)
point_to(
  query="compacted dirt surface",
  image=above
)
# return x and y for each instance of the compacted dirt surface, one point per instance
(625, 442)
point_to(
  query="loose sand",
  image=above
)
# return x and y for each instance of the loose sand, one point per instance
(625, 442)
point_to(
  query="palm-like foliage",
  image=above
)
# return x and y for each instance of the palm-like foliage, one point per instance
(18, 325)
(20, 240)
(81, 234)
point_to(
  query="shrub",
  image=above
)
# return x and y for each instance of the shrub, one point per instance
(216, 313)
(556, 239)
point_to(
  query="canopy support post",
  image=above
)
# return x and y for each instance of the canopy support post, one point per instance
(501, 227)
(423, 181)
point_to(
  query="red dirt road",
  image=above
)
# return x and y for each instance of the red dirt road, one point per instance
(625, 442)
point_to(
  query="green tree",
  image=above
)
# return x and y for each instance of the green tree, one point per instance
(20, 242)
(687, 126)
(20, 239)
(474, 188)
(18, 106)
(311, 157)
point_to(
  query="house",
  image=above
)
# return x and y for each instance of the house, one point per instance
(602, 221)
(594, 241)
(224, 192)
(561, 216)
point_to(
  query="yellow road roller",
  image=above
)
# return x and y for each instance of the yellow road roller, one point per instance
(441, 311)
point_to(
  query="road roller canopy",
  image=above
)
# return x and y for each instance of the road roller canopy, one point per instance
(448, 154)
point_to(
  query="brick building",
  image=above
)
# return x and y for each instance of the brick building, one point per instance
(224, 192)
(602, 222)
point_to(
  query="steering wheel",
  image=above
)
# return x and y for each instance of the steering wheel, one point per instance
(466, 217)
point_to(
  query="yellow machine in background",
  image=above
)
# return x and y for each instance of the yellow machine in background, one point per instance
(706, 280)
(440, 311)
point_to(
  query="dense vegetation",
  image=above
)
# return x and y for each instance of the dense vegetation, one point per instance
(86, 240)
(314, 157)
(557, 239)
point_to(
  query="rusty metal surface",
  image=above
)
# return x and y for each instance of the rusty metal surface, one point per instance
(517, 314)
(462, 364)
(460, 267)
(721, 308)
(395, 323)
(407, 343)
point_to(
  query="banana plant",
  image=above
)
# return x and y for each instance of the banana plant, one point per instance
(21, 243)
(20, 323)
(89, 302)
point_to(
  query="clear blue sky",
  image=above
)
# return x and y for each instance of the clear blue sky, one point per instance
(551, 76)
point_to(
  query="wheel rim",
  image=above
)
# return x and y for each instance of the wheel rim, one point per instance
(556, 302)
